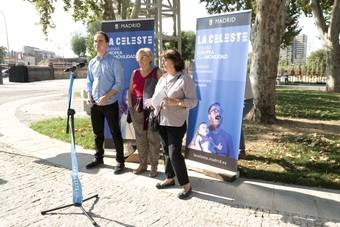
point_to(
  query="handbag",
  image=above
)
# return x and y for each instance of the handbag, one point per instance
(154, 120)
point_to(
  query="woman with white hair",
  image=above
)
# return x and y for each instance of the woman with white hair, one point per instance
(142, 86)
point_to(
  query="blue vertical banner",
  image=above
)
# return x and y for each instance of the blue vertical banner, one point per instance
(219, 72)
(125, 38)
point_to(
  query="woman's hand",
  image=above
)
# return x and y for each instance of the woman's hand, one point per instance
(170, 102)
(90, 102)
(148, 103)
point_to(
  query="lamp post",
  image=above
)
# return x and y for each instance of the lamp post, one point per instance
(6, 33)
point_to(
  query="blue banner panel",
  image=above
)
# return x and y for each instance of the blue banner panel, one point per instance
(220, 69)
(126, 37)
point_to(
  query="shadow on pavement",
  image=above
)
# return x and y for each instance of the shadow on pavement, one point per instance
(2, 181)
(63, 160)
(292, 203)
(285, 200)
(93, 215)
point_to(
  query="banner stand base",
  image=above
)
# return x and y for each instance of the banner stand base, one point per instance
(76, 205)
(218, 173)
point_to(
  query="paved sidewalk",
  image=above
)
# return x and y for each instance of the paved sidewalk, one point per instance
(35, 176)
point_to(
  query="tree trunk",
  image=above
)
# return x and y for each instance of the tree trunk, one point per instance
(333, 81)
(136, 9)
(108, 13)
(267, 36)
(125, 7)
(330, 41)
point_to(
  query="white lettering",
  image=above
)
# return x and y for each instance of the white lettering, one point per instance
(131, 25)
(131, 40)
(225, 20)
(217, 38)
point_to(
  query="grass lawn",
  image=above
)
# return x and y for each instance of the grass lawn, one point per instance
(56, 127)
(303, 147)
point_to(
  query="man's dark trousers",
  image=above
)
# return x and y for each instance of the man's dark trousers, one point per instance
(111, 113)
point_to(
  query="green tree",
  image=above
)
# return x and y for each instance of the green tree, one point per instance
(317, 61)
(78, 44)
(188, 45)
(327, 19)
(92, 28)
(91, 12)
(282, 66)
(2, 54)
(269, 24)
(87, 10)
(290, 21)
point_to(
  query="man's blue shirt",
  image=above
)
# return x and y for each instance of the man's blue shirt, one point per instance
(221, 137)
(103, 75)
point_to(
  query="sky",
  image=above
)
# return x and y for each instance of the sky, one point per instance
(24, 30)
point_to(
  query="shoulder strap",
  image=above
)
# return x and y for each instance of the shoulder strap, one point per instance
(154, 72)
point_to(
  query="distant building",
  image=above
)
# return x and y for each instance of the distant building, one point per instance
(65, 62)
(34, 55)
(295, 54)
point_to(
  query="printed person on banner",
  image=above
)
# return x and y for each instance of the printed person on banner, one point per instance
(202, 141)
(221, 138)
(142, 86)
(104, 82)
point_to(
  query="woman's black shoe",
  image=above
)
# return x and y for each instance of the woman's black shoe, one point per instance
(166, 185)
(184, 195)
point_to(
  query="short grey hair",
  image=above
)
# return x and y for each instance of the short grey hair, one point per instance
(144, 52)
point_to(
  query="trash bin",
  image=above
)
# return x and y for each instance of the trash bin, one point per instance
(18, 73)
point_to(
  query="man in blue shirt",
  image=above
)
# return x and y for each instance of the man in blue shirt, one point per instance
(221, 139)
(104, 82)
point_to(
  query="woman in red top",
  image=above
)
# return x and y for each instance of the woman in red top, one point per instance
(142, 85)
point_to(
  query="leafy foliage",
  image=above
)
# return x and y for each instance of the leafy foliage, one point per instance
(316, 62)
(92, 28)
(221, 6)
(188, 45)
(326, 6)
(45, 8)
(78, 44)
(83, 10)
(291, 24)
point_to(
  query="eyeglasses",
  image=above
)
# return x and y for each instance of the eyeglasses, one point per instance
(216, 110)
